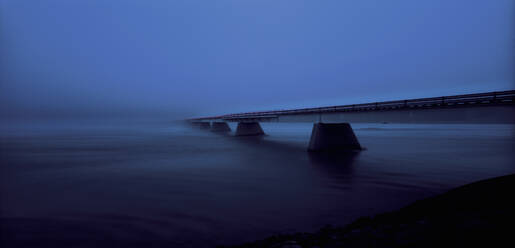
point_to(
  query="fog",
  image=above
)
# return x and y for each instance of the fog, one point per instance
(98, 58)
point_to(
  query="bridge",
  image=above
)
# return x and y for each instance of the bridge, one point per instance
(332, 131)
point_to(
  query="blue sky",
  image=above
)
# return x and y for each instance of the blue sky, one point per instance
(211, 57)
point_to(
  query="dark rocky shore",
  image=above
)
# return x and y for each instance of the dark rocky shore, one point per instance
(480, 214)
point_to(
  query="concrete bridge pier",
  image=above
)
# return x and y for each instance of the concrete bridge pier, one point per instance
(333, 136)
(220, 127)
(249, 129)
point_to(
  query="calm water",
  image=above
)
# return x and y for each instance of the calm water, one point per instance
(165, 184)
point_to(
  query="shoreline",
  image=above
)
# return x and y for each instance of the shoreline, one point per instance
(479, 213)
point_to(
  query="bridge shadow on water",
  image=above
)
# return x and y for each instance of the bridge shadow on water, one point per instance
(335, 164)
(341, 163)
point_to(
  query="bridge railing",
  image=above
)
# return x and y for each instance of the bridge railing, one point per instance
(499, 97)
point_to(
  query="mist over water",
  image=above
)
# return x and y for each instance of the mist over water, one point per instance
(164, 183)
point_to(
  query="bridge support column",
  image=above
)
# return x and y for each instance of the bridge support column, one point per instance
(219, 126)
(333, 136)
(249, 129)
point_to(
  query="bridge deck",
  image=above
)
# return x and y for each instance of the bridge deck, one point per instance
(456, 101)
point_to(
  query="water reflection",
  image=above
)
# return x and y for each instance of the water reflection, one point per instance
(334, 163)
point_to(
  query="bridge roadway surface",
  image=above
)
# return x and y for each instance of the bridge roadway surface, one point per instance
(331, 129)
(491, 107)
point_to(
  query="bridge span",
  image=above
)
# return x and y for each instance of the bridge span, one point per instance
(332, 131)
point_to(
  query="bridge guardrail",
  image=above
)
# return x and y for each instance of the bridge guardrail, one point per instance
(498, 97)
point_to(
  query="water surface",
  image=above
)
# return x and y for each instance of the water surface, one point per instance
(168, 184)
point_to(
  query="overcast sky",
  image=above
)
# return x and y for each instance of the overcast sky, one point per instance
(208, 57)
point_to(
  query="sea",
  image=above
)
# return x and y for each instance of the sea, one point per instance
(161, 183)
